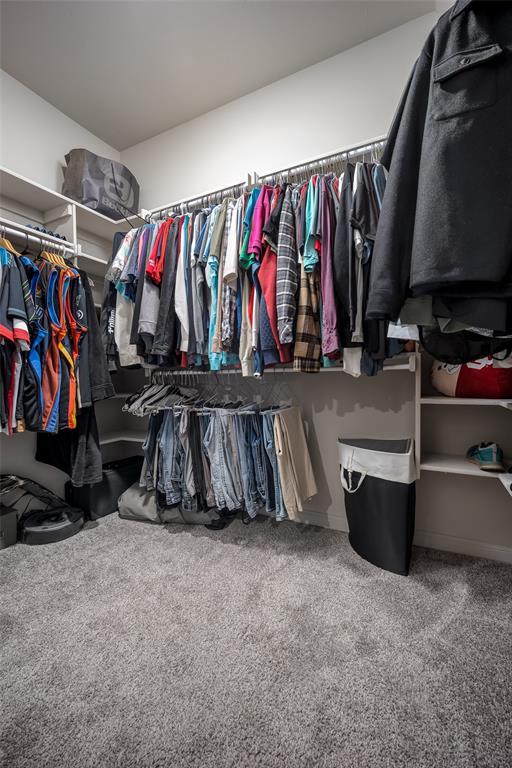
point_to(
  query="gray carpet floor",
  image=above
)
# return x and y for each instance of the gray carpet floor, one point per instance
(273, 646)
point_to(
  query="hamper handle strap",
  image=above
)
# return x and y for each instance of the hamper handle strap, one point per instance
(348, 486)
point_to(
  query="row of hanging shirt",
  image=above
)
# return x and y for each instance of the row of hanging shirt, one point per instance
(278, 275)
(214, 459)
(46, 310)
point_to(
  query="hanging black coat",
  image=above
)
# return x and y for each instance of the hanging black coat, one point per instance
(446, 220)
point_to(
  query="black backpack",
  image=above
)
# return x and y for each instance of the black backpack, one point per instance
(42, 516)
(462, 346)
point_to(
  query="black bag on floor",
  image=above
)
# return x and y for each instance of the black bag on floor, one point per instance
(137, 503)
(101, 499)
(104, 185)
(8, 527)
(43, 517)
(378, 478)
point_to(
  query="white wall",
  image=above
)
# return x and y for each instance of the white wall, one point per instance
(35, 136)
(344, 100)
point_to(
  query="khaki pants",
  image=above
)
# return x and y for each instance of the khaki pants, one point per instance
(295, 470)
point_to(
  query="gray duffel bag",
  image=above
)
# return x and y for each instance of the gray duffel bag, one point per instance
(138, 504)
(104, 185)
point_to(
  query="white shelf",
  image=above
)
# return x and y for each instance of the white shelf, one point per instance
(443, 400)
(29, 193)
(97, 223)
(120, 436)
(116, 396)
(25, 191)
(92, 259)
(25, 230)
(456, 465)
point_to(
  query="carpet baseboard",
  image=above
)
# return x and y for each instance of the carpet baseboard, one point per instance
(462, 546)
(422, 538)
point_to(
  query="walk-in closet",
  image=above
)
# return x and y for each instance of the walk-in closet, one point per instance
(255, 384)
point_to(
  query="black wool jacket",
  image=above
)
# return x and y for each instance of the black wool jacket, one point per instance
(446, 220)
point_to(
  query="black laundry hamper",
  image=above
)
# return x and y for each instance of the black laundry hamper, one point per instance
(378, 479)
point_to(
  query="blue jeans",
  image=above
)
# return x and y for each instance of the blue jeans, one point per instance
(148, 477)
(268, 437)
(250, 492)
(262, 467)
(215, 444)
(170, 469)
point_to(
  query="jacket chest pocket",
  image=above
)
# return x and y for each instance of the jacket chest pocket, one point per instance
(465, 81)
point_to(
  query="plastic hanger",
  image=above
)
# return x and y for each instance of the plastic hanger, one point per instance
(60, 260)
(5, 243)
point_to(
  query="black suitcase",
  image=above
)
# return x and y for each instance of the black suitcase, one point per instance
(101, 499)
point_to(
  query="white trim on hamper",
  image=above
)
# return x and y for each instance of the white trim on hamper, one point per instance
(381, 464)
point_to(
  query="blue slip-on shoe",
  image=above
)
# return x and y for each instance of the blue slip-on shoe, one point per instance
(488, 456)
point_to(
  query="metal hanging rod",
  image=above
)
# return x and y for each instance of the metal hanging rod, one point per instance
(205, 197)
(345, 153)
(402, 363)
(29, 235)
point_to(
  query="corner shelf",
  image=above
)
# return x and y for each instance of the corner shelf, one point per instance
(41, 198)
(100, 225)
(445, 400)
(31, 194)
(94, 259)
(122, 437)
(449, 464)
(457, 465)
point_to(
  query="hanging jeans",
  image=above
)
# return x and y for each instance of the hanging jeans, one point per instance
(263, 470)
(268, 438)
(169, 476)
(220, 460)
(148, 475)
(250, 491)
